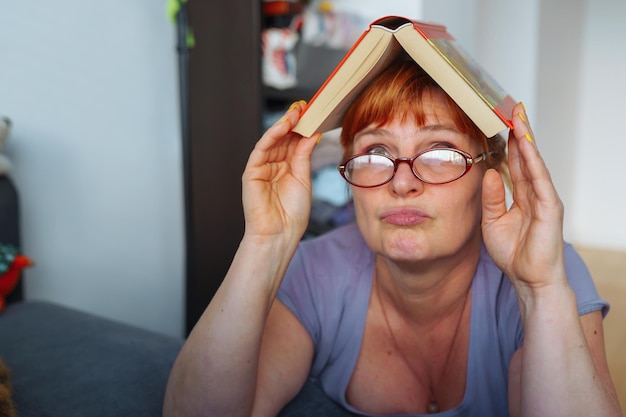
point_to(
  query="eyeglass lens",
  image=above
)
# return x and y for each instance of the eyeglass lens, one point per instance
(435, 166)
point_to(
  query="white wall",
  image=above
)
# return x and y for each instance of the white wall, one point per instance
(598, 211)
(91, 88)
(374, 9)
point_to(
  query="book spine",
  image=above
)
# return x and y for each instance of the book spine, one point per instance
(429, 32)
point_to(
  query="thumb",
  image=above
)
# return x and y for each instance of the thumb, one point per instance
(493, 196)
(304, 151)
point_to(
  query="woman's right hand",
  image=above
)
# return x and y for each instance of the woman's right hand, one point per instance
(277, 180)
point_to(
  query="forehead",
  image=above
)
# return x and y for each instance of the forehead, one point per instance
(435, 109)
(429, 106)
(432, 115)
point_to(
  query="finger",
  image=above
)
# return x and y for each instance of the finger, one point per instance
(493, 197)
(518, 177)
(524, 128)
(527, 167)
(521, 180)
(293, 113)
(281, 127)
(537, 172)
(277, 136)
(520, 133)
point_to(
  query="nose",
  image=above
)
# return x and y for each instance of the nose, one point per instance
(405, 181)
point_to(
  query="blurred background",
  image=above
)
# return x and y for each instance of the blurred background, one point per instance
(92, 89)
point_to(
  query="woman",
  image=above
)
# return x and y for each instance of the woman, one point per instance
(438, 300)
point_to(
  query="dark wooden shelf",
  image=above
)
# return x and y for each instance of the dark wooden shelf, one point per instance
(287, 95)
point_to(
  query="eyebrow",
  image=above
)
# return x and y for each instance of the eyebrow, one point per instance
(374, 131)
(445, 128)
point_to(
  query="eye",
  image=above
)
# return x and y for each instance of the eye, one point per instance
(377, 150)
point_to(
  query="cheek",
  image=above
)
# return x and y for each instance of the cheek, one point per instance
(468, 208)
(363, 205)
(366, 203)
(458, 207)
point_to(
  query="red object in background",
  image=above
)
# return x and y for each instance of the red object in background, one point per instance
(10, 277)
(276, 8)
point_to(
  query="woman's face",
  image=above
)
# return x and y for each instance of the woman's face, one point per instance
(407, 220)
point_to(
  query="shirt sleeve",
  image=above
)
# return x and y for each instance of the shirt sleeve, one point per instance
(587, 297)
(297, 295)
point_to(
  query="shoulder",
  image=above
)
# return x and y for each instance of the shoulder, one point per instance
(331, 262)
(329, 256)
(342, 245)
(325, 267)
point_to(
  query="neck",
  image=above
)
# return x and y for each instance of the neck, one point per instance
(426, 292)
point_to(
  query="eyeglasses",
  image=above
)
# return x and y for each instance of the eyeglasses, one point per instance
(432, 166)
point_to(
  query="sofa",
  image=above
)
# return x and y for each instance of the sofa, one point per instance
(66, 362)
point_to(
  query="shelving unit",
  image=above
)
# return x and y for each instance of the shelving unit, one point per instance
(281, 15)
(225, 113)
(227, 103)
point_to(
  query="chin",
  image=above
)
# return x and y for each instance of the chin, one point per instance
(405, 245)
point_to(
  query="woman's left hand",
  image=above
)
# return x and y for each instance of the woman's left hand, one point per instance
(526, 242)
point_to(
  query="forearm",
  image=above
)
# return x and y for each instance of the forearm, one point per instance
(215, 372)
(559, 376)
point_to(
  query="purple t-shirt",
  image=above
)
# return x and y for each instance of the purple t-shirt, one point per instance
(328, 285)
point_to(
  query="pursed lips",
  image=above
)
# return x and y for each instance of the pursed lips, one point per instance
(404, 216)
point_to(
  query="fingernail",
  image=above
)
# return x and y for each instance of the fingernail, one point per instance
(529, 138)
(283, 120)
(523, 107)
(521, 116)
(319, 139)
(295, 104)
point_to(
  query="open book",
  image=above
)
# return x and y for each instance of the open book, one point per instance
(435, 50)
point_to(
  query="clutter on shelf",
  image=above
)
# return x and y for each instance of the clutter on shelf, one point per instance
(303, 45)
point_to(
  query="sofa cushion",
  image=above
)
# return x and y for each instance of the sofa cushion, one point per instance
(69, 363)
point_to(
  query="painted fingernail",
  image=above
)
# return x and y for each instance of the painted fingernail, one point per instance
(529, 138)
(295, 104)
(521, 116)
(319, 139)
(523, 106)
(283, 120)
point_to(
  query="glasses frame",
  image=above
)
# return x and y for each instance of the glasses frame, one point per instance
(470, 161)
